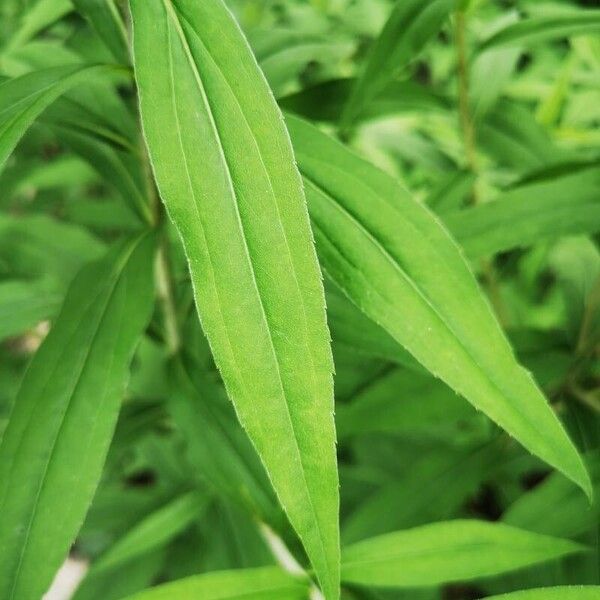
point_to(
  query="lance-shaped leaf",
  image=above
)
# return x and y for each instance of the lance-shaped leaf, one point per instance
(23, 99)
(448, 551)
(410, 26)
(392, 257)
(225, 170)
(268, 583)
(58, 434)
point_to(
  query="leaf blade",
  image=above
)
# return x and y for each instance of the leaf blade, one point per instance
(448, 551)
(227, 170)
(393, 258)
(49, 468)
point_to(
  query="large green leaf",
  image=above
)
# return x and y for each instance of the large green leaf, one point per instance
(54, 447)
(391, 256)
(267, 583)
(574, 592)
(448, 551)
(23, 99)
(410, 26)
(225, 170)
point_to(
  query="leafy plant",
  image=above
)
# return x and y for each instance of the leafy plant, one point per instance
(300, 299)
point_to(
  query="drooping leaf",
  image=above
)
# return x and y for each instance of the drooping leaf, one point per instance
(410, 26)
(448, 551)
(394, 260)
(24, 98)
(58, 434)
(267, 583)
(225, 171)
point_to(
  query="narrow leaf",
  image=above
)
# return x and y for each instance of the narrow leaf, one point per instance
(58, 434)
(391, 256)
(23, 99)
(565, 204)
(446, 552)
(268, 583)
(225, 170)
(538, 29)
(410, 26)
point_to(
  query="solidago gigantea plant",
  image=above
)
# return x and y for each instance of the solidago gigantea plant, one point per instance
(300, 299)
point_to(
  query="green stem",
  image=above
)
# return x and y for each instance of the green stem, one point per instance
(469, 138)
(164, 290)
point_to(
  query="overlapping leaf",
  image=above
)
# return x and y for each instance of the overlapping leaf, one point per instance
(399, 265)
(448, 551)
(226, 173)
(54, 447)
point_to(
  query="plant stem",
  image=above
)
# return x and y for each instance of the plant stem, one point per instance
(162, 269)
(469, 138)
(164, 290)
(464, 108)
(285, 558)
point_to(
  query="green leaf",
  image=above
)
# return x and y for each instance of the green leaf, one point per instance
(118, 168)
(152, 532)
(108, 23)
(446, 552)
(403, 401)
(410, 26)
(538, 29)
(570, 516)
(54, 447)
(564, 204)
(23, 304)
(432, 489)
(395, 261)
(574, 592)
(23, 99)
(38, 16)
(217, 446)
(268, 583)
(225, 170)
